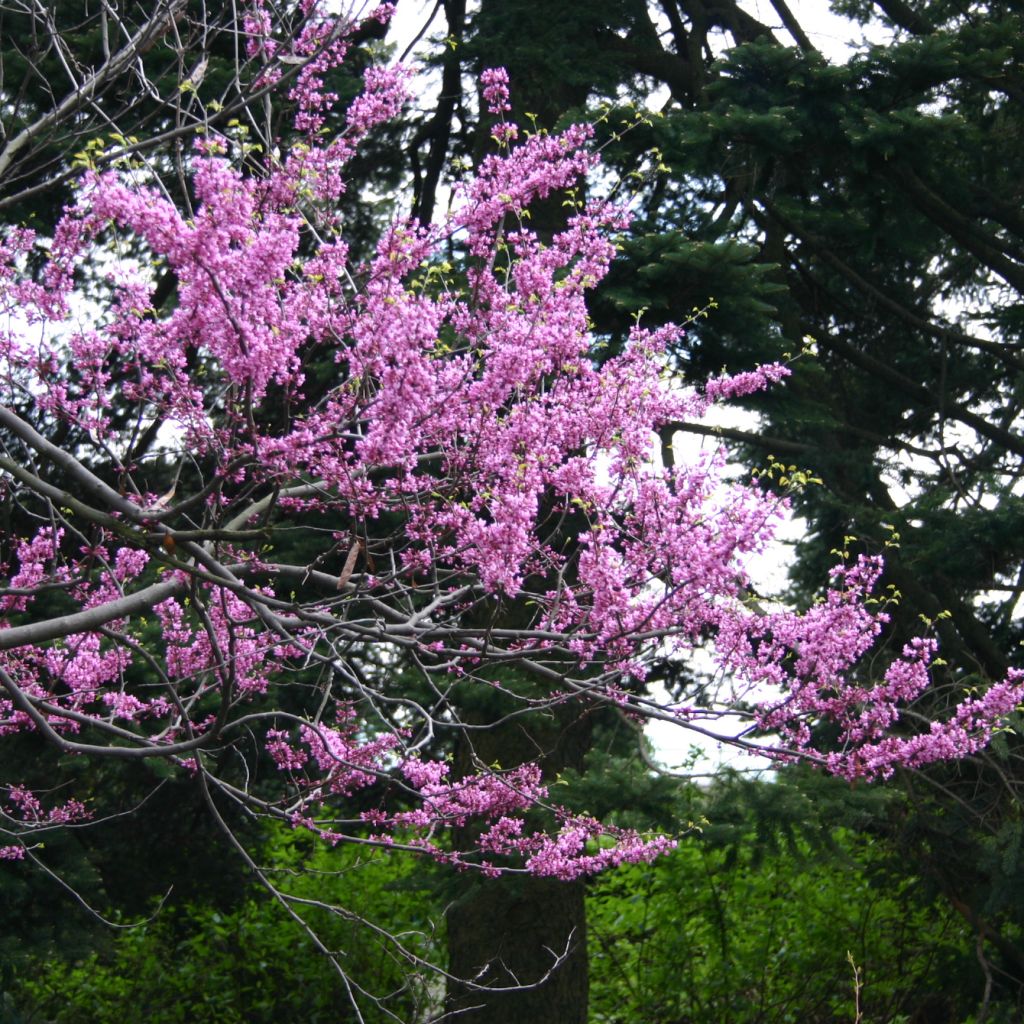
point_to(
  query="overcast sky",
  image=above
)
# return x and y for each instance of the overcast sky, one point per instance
(832, 34)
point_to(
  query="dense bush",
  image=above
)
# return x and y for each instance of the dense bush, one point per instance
(254, 964)
(740, 935)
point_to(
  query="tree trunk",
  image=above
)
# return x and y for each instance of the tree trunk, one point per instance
(519, 931)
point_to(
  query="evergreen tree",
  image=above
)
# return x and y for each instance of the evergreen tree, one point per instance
(861, 218)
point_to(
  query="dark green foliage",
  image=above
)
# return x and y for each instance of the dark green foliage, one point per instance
(750, 920)
(252, 963)
(713, 939)
(39, 916)
(779, 893)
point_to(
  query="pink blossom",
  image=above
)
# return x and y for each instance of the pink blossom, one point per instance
(495, 83)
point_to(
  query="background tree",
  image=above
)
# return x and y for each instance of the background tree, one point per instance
(868, 202)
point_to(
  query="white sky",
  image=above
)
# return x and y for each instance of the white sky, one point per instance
(832, 34)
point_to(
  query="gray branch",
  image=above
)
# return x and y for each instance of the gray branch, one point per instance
(33, 633)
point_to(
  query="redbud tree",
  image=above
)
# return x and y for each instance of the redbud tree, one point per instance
(474, 495)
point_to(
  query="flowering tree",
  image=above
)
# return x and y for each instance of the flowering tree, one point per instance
(472, 496)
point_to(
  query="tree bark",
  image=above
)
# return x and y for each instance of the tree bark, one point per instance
(522, 937)
(519, 931)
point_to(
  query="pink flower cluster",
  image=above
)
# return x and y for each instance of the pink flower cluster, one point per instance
(495, 86)
(27, 807)
(581, 846)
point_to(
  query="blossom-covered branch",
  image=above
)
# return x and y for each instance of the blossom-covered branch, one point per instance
(376, 485)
